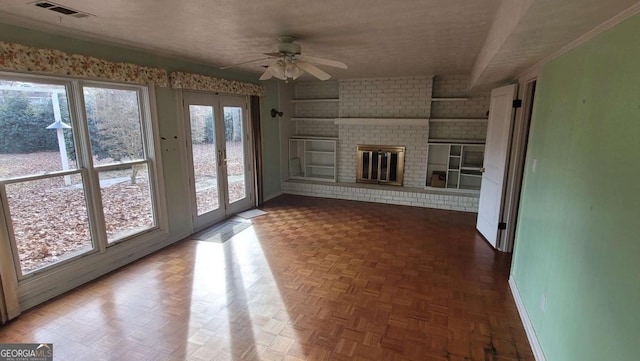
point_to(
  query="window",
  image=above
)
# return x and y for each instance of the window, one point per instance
(71, 186)
(114, 120)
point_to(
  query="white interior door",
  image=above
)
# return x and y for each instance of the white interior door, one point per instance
(501, 113)
(219, 154)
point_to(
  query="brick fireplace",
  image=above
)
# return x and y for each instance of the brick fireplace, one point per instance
(379, 112)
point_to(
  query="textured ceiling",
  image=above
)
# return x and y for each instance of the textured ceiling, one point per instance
(544, 28)
(374, 38)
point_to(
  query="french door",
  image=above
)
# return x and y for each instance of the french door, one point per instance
(221, 165)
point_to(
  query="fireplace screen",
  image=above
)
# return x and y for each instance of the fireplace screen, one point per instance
(380, 164)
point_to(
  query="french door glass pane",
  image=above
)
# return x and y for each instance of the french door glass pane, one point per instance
(35, 130)
(50, 221)
(113, 117)
(203, 148)
(235, 153)
(126, 201)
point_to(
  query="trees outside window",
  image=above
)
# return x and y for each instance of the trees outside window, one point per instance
(51, 205)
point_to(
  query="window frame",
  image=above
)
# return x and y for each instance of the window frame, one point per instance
(28, 282)
(147, 126)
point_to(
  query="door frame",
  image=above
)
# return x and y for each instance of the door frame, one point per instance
(226, 209)
(517, 158)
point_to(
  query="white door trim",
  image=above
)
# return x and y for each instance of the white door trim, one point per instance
(218, 102)
(515, 172)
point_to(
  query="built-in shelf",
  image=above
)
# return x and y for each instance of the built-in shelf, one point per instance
(313, 137)
(325, 100)
(382, 121)
(455, 165)
(321, 166)
(449, 99)
(312, 158)
(460, 141)
(318, 151)
(451, 120)
(314, 119)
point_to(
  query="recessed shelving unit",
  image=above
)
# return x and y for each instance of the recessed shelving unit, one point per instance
(459, 163)
(449, 99)
(318, 104)
(313, 158)
(315, 119)
(322, 100)
(454, 120)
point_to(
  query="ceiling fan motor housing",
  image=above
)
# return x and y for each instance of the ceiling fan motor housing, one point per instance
(289, 48)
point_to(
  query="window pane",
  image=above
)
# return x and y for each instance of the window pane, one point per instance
(113, 117)
(49, 218)
(235, 153)
(203, 148)
(126, 201)
(35, 129)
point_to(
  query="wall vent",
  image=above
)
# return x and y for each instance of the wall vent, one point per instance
(60, 9)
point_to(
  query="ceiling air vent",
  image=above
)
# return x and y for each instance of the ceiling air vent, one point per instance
(44, 5)
(64, 10)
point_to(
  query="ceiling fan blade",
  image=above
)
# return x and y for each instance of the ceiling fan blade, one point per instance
(275, 55)
(313, 70)
(243, 63)
(321, 61)
(266, 75)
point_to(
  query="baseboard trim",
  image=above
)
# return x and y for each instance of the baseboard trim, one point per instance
(272, 196)
(526, 322)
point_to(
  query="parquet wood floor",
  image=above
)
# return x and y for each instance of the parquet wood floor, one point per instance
(314, 279)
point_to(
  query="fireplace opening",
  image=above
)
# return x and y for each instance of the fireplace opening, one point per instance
(380, 164)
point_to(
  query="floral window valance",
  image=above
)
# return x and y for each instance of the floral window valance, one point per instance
(20, 57)
(190, 81)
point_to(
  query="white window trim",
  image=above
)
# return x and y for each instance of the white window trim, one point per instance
(23, 292)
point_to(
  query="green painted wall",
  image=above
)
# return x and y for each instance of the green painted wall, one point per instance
(577, 241)
(169, 124)
(271, 142)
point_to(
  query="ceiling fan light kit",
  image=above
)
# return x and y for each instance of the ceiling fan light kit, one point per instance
(289, 63)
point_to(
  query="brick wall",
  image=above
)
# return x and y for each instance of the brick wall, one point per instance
(317, 90)
(458, 130)
(475, 106)
(316, 110)
(405, 97)
(466, 202)
(317, 128)
(413, 137)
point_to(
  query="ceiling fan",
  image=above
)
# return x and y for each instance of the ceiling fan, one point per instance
(289, 63)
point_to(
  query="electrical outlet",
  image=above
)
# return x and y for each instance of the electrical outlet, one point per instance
(535, 164)
(543, 303)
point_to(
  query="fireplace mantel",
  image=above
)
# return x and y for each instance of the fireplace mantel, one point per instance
(382, 121)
